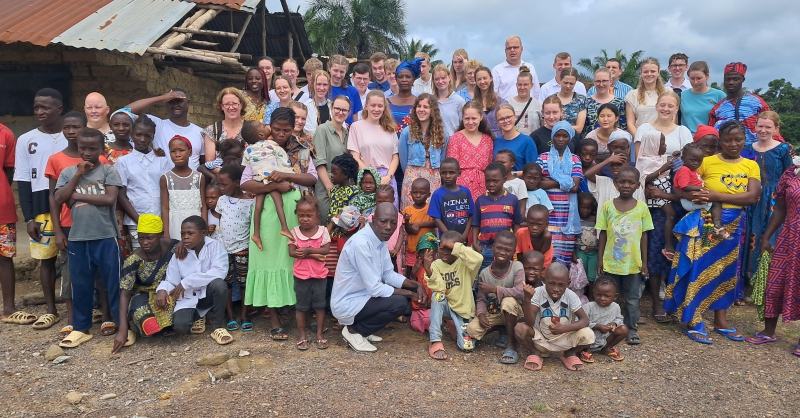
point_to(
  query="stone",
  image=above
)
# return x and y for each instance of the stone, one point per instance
(244, 365)
(61, 359)
(213, 359)
(222, 373)
(108, 396)
(53, 353)
(244, 353)
(74, 398)
(233, 366)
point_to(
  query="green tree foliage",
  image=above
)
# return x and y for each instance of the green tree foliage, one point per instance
(631, 66)
(416, 45)
(356, 27)
(783, 98)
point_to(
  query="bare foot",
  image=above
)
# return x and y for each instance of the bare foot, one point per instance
(286, 233)
(257, 240)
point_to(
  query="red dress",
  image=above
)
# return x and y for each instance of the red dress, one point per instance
(783, 283)
(472, 160)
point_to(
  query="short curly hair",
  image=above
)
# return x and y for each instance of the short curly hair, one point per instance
(229, 90)
(347, 164)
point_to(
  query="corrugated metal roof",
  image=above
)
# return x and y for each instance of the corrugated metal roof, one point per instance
(245, 5)
(39, 21)
(125, 25)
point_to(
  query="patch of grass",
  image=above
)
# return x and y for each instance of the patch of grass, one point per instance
(539, 407)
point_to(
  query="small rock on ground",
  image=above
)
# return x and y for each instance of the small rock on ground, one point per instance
(53, 353)
(74, 398)
(213, 359)
(108, 396)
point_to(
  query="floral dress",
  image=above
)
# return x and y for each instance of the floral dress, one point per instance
(472, 160)
(593, 113)
(578, 104)
(253, 112)
(142, 278)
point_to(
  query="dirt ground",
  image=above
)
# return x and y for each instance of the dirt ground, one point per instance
(668, 375)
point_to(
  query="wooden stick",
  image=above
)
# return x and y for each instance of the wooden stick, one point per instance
(206, 32)
(294, 31)
(263, 30)
(241, 33)
(234, 55)
(230, 77)
(291, 45)
(138, 361)
(184, 54)
(185, 23)
(202, 43)
(196, 24)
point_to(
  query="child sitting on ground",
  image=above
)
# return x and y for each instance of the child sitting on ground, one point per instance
(532, 175)
(452, 205)
(533, 264)
(497, 211)
(622, 245)
(687, 180)
(605, 319)
(451, 279)
(512, 184)
(309, 246)
(499, 302)
(586, 244)
(536, 236)
(264, 157)
(421, 314)
(417, 222)
(550, 324)
(212, 197)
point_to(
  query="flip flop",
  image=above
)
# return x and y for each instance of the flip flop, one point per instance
(108, 328)
(668, 255)
(322, 344)
(275, 332)
(45, 321)
(615, 355)
(572, 363)
(303, 345)
(74, 339)
(501, 341)
(509, 353)
(796, 351)
(19, 318)
(663, 318)
(533, 359)
(434, 348)
(759, 339)
(232, 325)
(727, 332)
(587, 357)
(247, 326)
(691, 334)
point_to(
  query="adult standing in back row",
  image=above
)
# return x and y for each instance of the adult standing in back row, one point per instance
(337, 67)
(505, 74)
(618, 88)
(563, 60)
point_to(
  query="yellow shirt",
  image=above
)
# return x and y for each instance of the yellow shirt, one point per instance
(728, 178)
(457, 280)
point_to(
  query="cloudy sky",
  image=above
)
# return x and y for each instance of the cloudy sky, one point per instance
(762, 34)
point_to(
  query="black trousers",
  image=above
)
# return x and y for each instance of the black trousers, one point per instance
(379, 312)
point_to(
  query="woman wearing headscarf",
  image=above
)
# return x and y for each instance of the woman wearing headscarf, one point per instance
(561, 177)
(400, 104)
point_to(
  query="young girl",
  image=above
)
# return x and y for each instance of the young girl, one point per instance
(212, 196)
(421, 314)
(344, 172)
(183, 190)
(310, 245)
(450, 103)
(485, 95)
(121, 123)
(472, 147)
(230, 151)
(234, 209)
(586, 244)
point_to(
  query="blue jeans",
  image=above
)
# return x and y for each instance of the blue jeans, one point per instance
(488, 256)
(86, 258)
(630, 287)
(438, 312)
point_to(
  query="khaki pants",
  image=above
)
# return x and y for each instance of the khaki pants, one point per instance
(507, 305)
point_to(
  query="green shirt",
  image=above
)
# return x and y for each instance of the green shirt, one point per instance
(624, 231)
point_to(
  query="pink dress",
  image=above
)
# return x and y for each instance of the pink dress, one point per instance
(472, 159)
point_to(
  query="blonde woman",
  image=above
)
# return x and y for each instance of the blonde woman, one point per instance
(373, 139)
(574, 104)
(320, 88)
(337, 67)
(457, 69)
(486, 96)
(640, 103)
(388, 67)
(468, 91)
(677, 136)
(450, 103)
(527, 108)
(422, 146)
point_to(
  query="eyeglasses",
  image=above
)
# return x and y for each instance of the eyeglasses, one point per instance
(512, 48)
(677, 66)
(505, 119)
(340, 110)
(230, 105)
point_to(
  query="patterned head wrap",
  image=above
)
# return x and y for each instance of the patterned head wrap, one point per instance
(413, 66)
(125, 110)
(736, 67)
(365, 202)
(150, 224)
(428, 241)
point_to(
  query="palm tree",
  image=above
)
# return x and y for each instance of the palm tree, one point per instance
(416, 45)
(356, 27)
(631, 66)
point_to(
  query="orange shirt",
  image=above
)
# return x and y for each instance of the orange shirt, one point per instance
(524, 245)
(421, 279)
(57, 163)
(417, 215)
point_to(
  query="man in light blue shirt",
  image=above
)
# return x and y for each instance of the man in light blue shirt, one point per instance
(367, 293)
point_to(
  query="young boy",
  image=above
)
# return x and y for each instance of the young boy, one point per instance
(588, 154)
(532, 176)
(550, 324)
(533, 264)
(451, 279)
(452, 206)
(622, 245)
(605, 319)
(421, 313)
(497, 211)
(602, 187)
(423, 84)
(90, 189)
(499, 301)
(687, 180)
(536, 236)
(33, 150)
(417, 221)
(512, 184)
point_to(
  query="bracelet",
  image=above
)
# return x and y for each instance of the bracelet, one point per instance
(32, 220)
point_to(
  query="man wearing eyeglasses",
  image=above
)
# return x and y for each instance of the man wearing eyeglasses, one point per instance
(505, 74)
(677, 69)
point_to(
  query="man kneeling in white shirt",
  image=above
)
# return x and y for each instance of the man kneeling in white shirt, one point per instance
(196, 283)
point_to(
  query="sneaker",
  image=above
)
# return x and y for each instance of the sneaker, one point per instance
(374, 338)
(357, 342)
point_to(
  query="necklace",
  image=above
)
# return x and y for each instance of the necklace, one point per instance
(54, 138)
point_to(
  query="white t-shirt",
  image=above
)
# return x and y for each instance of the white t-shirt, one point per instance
(552, 87)
(516, 187)
(564, 309)
(234, 225)
(676, 140)
(34, 148)
(645, 113)
(421, 86)
(505, 79)
(604, 190)
(532, 119)
(166, 129)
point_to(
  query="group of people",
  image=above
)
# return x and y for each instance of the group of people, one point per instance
(465, 197)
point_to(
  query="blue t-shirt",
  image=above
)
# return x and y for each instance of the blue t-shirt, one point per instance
(379, 86)
(452, 208)
(695, 107)
(522, 146)
(355, 100)
(495, 215)
(539, 197)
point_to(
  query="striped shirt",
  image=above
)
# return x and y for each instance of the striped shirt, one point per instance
(618, 89)
(495, 215)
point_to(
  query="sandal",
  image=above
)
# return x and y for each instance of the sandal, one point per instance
(232, 325)
(758, 339)
(501, 341)
(796, 351)
(401, 319)
(633, 338)
(322, 344)
(572, 363)
(509, 357)
(302, 345)
(436, 347)
(692, 334)
(220, 334)
(247, 326)
(615, 355)
(535, 360)
(278, 334)
(662, 318)
(199, 326)
(65, 330)
(587, 357)
(131, 339)
(74, 339)
(97, 316)
(729, 333)
(108, 328)
(20, 318)
(46, 321)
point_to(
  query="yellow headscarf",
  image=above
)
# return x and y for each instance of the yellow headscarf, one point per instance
(150, 224)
